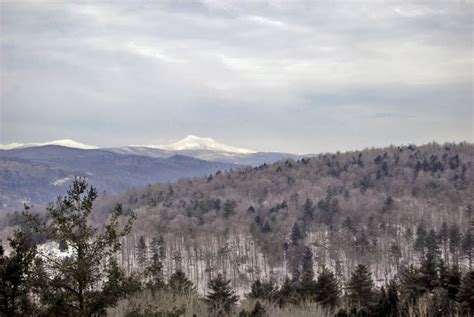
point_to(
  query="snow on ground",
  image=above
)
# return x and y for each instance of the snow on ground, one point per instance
(65, 142)
(61, 181)
(192, 142)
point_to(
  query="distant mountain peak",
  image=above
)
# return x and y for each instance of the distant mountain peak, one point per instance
(193, 142)
(65, 142)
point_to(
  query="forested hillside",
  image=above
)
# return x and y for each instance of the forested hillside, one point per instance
(382, 232)
(37, 175)
(384, 208)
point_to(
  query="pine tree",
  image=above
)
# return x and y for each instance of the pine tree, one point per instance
(265, 290)
(455, 239)
(308, 211)
(360, 287)
(411, 286)
(179, 284)
(450, 279)
(229, 208)
(296, 234)
(307, 266)
(429, 278)
(327, 289)
(468, 247)
(85, 282)
(466, 293)
(420, 239)
(287, 294)
(258, 310)
(295, 251)
(141, 252)
(307, 287)
(431, 243)
(392, 299)
(388, 204)
(444, 236)
(221, 298)
(154, 272)
(15, 276)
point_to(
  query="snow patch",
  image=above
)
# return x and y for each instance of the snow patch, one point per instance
(65, 142)
(192, 142)
(60, 181)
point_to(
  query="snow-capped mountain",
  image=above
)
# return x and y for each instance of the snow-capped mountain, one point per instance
(66, 143)
(205, 149)
(193, 146)
(192, 142)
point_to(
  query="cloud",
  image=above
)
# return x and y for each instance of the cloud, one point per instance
(257, 74)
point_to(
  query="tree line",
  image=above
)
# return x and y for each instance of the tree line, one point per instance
(84, 279)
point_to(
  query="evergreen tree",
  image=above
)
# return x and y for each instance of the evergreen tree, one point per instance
(141, 252)
(307, 266)
(411, 286)
(266, 290)
(329, 208)
(468, 247)
(266, 228)
(444, 237)
(154, 272)
(450, 279)
(431, 243)
(229, 208)
(15, 276)
(455, 239)
(420, 239)
(388, 204)
(327, 290)
(393, 299)
(307, 287)
(221, 298)
(179, 284)
(258, 310)
(87, 282)
(308, 211)
(287, 293)
(429, 278)
(466, 293)
(295, 251)
(360, 287)
(296, 234)
(380, 306)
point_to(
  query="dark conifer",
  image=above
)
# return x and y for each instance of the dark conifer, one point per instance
(221, 298)
(266, 290)
(360, 287)
(258, 310)
(88, 281)
(327, 289)
(179, 284)
(141, 252)
(466, 294)
(287, 293)
(15, 276)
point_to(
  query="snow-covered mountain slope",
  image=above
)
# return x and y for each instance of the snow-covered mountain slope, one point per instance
(193, 146)
(192, 142)
(65, 142)
(205, 149)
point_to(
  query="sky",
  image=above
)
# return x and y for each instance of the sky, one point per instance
(293, 76)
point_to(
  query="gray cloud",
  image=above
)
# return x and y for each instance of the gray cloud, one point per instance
(298, 76)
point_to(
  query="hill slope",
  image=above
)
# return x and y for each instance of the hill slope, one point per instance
(379, 207)
(39, 174)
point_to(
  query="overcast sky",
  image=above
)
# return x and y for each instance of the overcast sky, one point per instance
(297, 76)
